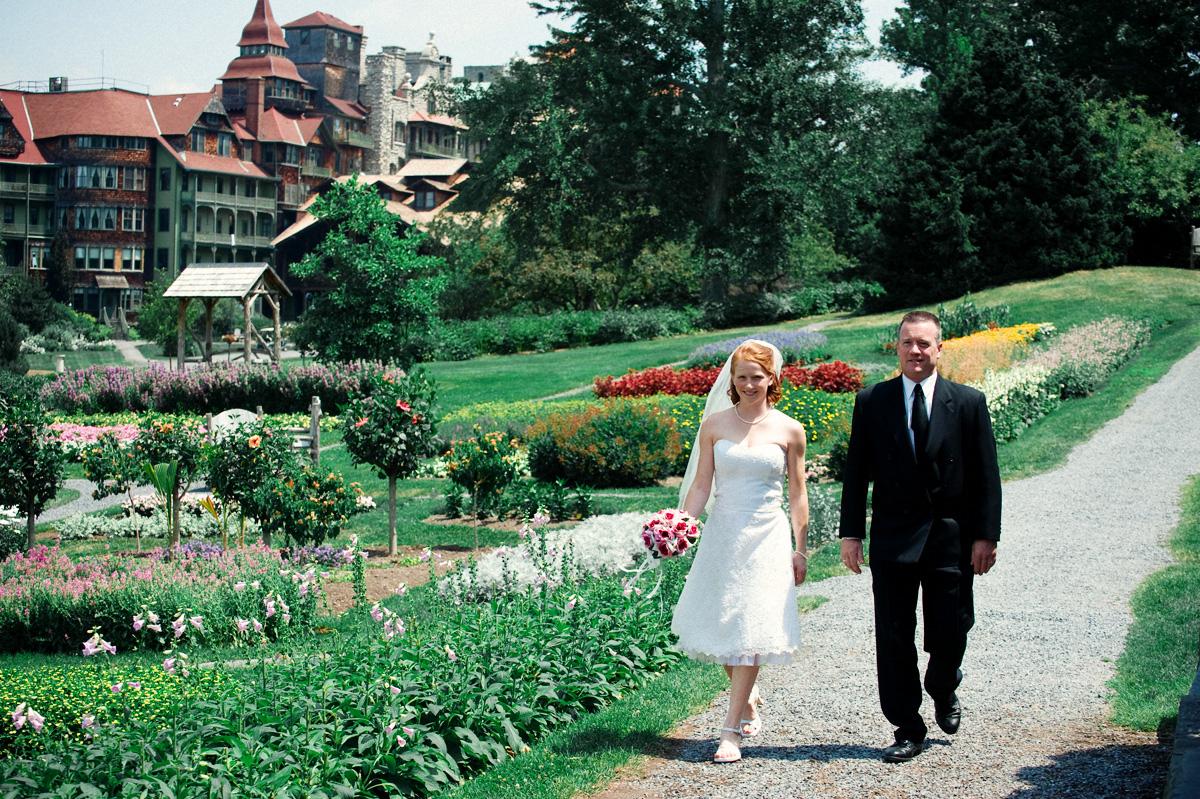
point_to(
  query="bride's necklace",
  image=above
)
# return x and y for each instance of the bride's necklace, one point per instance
(748, 421)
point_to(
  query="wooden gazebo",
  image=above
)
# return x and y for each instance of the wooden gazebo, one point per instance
(244, 282)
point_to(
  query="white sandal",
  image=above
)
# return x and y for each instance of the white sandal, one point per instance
(752, 727)
(717, 757)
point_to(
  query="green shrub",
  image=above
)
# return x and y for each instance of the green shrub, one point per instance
(483, 465)
(967, 318)
(12, 333)
(616, 444)
(510, 418)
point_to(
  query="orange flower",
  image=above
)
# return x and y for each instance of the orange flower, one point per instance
(254, 441)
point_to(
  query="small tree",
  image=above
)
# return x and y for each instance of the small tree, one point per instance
(31, 460)
(484, 465)
(115, 468)
(384, 294)
(392, 428)
(176, 443)
(242, 461)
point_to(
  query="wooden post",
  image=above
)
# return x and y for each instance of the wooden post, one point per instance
(247, 336)
(208, 322)
(208, 431)
(181, 333)
(276, 347)
(314, 430)
(258, 412)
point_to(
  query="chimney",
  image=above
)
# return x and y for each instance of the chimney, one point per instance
(254, 103)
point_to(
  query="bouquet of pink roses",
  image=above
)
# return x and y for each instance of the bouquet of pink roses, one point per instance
(669, 533)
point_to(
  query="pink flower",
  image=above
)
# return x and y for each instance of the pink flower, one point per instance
(239, 586)
(179, 625)
(403, 406)
(540, 519)
(409, 731)
(395, 691)
(571, 604)
(90, 648)
(138, 623)
(426, 554)
(388, 729)
(169, 665)
(269, 603)
(116, 688)
(361, 422)
(243, 625)
(401, 590)
(197, 622)
(156, 627)
(376, 613)
(18, 716)
(134, 686)
(258, 628)
(400, 741)
(87, 721)
(36, 720)
(109, 648)
(450, 654)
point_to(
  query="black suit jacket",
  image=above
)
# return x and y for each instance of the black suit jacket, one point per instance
(959, 483)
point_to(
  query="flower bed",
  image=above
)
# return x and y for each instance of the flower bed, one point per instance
(1071, 365)
(797, 346)
(430, 694)
(836, 377)
(217, 388)
(967, 359)
(49, 603)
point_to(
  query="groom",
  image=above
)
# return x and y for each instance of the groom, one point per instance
(927, 445)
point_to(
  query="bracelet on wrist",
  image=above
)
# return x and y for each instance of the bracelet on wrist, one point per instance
(802, 554)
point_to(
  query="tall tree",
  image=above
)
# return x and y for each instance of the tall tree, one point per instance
(384, 294)
(60, 269)
(1007, 184)
(31, 460)
(655, 113)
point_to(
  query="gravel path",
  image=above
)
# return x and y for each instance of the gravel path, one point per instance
(1051, 621)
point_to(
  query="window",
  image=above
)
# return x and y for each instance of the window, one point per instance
(64, 178)
(264, 226)
(133, 178)
(291, 154)
(220, 185)
(133, 219)
(164, 179)
(268, 153)
(35, 215)
(93, 257)
(131, 258)
(197, 145)
(10, 213)
(109, 258)
(164, 220)
(426, 200)
(110, 219)
(162, 258)
(110, 177)
(224, 143)
(304, 34)
(80, 258)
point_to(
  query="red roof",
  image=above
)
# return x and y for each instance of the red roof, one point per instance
(262, 28)
(347, 108)
(14, 102)
(201, 162)
(110, 112)
(319, 19)
(275, 126)
(262, 66)
(177, 113)
(437, 119)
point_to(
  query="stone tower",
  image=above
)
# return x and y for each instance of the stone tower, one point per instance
(386, 91)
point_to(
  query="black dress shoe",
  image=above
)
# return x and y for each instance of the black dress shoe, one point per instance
(948, 715)
(902, 751)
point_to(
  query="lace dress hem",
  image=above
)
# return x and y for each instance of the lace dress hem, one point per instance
(781, 658)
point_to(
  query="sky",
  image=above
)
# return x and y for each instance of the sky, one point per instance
(173, 46)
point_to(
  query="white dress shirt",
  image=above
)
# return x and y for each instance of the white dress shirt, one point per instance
(927, 388)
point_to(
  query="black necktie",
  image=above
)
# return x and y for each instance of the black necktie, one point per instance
(920, 422)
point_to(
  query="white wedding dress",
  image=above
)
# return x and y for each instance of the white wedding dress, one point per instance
(738, 606)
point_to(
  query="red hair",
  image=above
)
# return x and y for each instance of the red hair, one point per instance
(762, 355)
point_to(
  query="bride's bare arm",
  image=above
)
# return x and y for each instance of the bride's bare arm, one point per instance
(798, 499)
(697, 496)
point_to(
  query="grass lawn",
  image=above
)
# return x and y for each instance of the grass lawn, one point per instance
(80, 359)
(1159, 661)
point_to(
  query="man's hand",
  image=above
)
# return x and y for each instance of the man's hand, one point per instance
(799, 567)
(852, 554)
(983, 555)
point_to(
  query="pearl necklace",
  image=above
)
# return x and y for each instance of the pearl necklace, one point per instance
(746, 421)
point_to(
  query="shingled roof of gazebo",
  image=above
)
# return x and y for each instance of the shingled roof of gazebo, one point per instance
(224, 280)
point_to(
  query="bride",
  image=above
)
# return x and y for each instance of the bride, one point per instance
(738, 606)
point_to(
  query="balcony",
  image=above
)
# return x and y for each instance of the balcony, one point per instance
(435, 151)
(20, 229)
(20, 189)
(293, 195)
(226, 239)
(228, 200)
(314, 171)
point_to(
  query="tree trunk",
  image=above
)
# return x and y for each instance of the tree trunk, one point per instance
(391, 515)
(30, 530)
(176, 501)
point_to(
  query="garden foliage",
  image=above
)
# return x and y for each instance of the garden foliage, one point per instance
(836, 377)
(210, 389)
(617, 444)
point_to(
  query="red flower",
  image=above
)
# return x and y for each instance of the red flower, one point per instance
(404, 406)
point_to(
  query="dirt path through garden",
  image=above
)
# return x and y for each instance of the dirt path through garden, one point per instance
(1052, 619)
